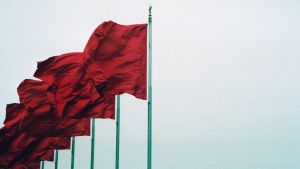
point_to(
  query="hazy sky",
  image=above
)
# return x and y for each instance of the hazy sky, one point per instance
(225, 79)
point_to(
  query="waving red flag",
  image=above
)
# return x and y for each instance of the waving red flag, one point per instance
(45, 126)
(15, 141)
(52, 127)
(74, 91)
(117, 59)
(13, 160)
(12, 139)
(15, 113)
(33, 94)
(27, 165)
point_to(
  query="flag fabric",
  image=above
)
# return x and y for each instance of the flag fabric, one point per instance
(33, 94)
(46, 126)
(15, 113)
(15, 141)
(74, 91)
(117, 59)
(25, 158)
(114, 62)
(10, 160)
(18, 149)
(27, 165)
(53, 127)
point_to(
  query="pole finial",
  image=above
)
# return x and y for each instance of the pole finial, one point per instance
(150, 8)
(150, 13)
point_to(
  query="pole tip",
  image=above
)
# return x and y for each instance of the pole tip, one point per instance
(150, 9)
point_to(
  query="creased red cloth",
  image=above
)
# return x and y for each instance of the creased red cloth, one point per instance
(13, 160)
(53, 127)
(74, 92)
(33, 94)
(117, 59)
(13, 139)
(27, 165)
(46, 126)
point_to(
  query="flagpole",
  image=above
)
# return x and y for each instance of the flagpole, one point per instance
(73, 153)
(56, 159)
(93, 143)
(149, 155)
(118, 133)
(43, 164)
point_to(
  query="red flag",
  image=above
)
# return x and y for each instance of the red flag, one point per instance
(11, 160)
(23, 158)
(15, 113)
(74, 91)
(117, 59)
(46, 126)
(53, 127)
(12, 140)
(27, 165)
(33, 94)
(56, 68)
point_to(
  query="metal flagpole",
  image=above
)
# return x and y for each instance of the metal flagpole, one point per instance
(118, 133)
(149, 155)
(43, 164)
(73, 153)
(56, 159)
(92, 143)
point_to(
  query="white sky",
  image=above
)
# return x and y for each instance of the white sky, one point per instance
(225, 79)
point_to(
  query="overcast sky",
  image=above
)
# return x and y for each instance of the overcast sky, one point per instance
(225, 79)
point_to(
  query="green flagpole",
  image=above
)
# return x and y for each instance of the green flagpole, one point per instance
(118, 133)
(56, 159)
(43, 165)
(149, 155)
(73, 153)
(93, 143)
